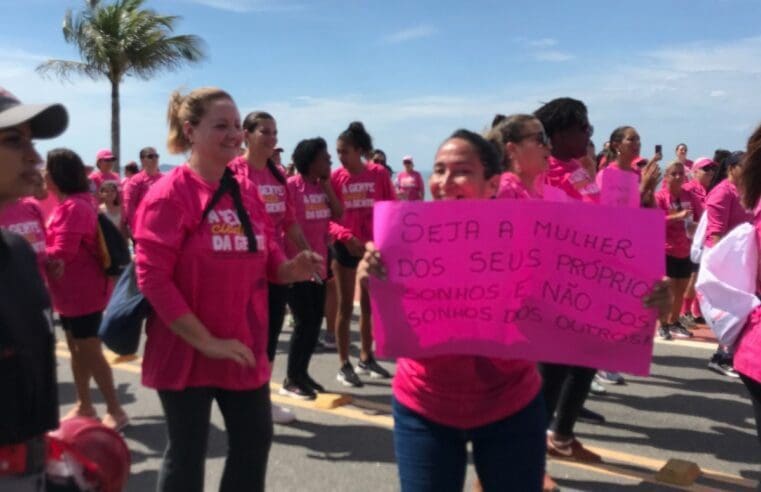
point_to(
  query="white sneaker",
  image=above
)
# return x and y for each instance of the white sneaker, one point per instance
(597, 388)
(282, 415)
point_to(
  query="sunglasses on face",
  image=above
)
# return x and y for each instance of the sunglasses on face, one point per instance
(151, 156)
(540, 138)
(112, 159)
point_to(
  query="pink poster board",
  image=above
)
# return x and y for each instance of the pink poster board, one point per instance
(542, 281)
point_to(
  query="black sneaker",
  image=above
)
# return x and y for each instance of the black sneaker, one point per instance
(679, 331)
(723, 368)
(687, 320)
(371, 368)
(587, 415)
(664, 333)
(311, 383)
(700, 320)
(297, 390)
(348, 377)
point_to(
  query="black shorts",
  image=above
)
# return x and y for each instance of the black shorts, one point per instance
(343, 257)
(678, 267)
(695, 267)
(85, 326)
(330, 263)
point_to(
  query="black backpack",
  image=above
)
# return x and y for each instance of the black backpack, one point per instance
(114, 252)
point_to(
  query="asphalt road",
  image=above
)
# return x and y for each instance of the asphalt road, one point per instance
(681, 411)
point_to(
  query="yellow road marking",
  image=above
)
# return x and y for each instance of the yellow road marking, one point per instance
(379, 414)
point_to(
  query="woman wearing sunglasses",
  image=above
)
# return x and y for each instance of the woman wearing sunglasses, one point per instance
(139, 184)
(526, 150)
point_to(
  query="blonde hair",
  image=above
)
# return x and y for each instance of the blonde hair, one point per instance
(506, 129)
(191, 108)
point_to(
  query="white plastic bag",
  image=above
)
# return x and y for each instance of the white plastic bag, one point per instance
(696, 250)
(726, 283)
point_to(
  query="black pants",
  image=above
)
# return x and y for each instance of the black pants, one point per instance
(248, 420)
(754, 388)
(278, 295)
(565, 390)
(307, 303)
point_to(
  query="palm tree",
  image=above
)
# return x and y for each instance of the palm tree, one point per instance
(121, 39)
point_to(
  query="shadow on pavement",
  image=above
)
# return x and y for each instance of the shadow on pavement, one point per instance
(355, 443)
(67, 394)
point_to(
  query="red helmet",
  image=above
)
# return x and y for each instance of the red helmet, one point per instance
(100, 453)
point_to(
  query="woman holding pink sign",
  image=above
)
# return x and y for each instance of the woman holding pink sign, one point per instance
(442, 403)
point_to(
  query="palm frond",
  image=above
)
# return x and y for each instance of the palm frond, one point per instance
(64, 69)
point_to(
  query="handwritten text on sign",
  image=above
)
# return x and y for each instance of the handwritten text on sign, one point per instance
(552, 282)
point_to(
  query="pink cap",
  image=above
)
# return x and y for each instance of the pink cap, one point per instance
(703, 162)
(104, 154)
(407, 158)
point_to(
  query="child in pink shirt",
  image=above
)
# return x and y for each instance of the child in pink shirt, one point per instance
(679, 207)
(409, 183)
(358, 185)
(78, 283)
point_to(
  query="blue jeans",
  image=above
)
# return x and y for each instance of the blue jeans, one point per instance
(508, 454)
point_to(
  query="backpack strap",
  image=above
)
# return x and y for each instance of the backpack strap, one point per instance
(228, 184)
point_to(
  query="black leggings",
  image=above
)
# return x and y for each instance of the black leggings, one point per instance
(278, 295)
(754, 388)
(307, 303)
(565, 390)
(248, 420)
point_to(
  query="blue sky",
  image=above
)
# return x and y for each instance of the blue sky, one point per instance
(415, 71)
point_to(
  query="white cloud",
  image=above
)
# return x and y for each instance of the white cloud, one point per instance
(240, 6)
(667, 99)
(553, 56)
(409, 34)
(542, 43)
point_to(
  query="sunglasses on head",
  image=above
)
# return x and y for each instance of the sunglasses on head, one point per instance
(539, 137)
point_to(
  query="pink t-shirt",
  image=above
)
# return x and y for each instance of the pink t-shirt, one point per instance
(698, 193)
(358, 193)
(310, 205)
(747, 356)
(725, 210)
(188, 265)
(465, 391)
(573, 179)
(134, 191)
(677, 242)
(98, 178)
(72, 237)
(25, 218)
(410, 185)
(274, 194)
(618, 188)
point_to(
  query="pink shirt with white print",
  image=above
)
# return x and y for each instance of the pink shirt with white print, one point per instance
(25, 218)
(410, 184)
(310, 205)
(273, 192)
(573, 179)
(677, 243)
(358, 193)
(186, 264)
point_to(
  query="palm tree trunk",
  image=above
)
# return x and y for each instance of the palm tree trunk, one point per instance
(115, 139)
